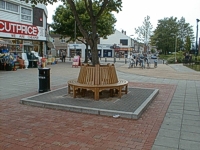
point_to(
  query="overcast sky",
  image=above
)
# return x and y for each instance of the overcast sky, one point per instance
(134, 12)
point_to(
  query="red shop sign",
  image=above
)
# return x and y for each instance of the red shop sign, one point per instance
(18, 28)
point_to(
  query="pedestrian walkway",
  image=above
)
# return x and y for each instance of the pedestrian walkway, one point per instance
(171, 122)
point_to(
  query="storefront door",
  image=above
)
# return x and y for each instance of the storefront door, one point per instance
(28, 49)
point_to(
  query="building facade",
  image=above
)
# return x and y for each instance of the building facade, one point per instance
(116, 45)
(23, 28)
(121, 45)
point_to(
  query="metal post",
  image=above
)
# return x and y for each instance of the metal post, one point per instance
(75, 33)
(125, 61)
(105, 59)
(114, 59)
(175, 48)
(196, 39)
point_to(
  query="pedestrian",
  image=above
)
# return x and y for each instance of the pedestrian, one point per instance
(63, 56)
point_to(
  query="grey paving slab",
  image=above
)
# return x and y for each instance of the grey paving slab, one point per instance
(174, 115)
(167, 142)
(171, 126)
(169, 133)
(190, 136)
(191, 122)
(191, 117)
(157, 147)
(189, 145)
(189, 128)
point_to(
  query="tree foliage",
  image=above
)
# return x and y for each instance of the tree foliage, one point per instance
(94, 9)
(168, 29)
(64, 24)
(145, 31)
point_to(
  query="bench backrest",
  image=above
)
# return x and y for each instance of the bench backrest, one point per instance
(98, 74)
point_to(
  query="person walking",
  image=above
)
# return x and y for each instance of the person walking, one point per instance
(131, 61)
(63, 56)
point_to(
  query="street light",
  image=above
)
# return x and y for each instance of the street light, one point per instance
(197, 37)
(175, 44)
(75, 33)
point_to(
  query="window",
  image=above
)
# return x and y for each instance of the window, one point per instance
(2, 4)
(11, 7)
(62, 41)
(124, 41)
(26, 14)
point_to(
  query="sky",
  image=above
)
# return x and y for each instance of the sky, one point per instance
(134, 11)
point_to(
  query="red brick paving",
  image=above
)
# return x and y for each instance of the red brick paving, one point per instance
(25, 127)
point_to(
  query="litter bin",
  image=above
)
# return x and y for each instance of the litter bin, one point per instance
(44, 80)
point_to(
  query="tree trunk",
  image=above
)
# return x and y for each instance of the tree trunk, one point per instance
(93, 41)
(86, 53)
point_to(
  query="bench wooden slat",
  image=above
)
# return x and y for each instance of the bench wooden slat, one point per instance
(97, 78)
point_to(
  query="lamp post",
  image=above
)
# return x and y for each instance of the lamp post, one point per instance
(75, 33)
(197, 38)
(175, 45)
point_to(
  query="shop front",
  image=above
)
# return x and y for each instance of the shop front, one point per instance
(18, 38)
(76, 49)
(122, 52)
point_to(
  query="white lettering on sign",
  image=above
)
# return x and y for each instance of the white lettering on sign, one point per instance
(18, 28)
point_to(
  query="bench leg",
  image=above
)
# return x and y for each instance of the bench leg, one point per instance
(111, 92)
(83, 91)
(120, 92)
(74, 92)
(126, 89)
(69, 89)
(96, 94)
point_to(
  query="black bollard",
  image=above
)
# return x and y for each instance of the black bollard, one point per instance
(125, 61)
(70, 58)
(163, 61)
(105, 59)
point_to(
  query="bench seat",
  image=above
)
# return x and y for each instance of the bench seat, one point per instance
(75, 87)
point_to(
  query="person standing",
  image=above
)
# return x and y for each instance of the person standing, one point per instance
(63, 56)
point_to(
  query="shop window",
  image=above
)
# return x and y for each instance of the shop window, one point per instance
(11, 7)
(2, 4)
(25, 14)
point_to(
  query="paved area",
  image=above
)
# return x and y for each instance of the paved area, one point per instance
(171, 121)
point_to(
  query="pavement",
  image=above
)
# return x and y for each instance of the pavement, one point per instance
(171, 122)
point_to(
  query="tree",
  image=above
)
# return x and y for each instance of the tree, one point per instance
(184, 31)
(63, 23)
(94, 14)
(167, 31)
(187, 44)
(144, 32)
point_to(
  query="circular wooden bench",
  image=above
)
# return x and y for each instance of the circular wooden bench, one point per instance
(97, 78)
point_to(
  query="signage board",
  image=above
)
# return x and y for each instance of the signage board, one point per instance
(22, 31)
